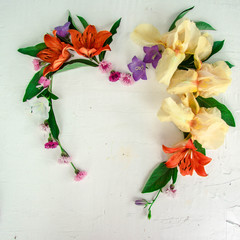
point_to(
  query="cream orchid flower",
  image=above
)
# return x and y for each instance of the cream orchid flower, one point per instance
(185, 39)
(205, 125)
(210, 80)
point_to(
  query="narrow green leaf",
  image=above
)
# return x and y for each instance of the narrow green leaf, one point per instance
(204, 26)
(174, 175)
(217, 46)
(229, 64)
(225, 112)
(52, 123)
(33, 50)
(185, 134)
(72, 24)
(53, 96)
(83, 21)
(158, 179)
(76, 64)
(45, 93)
(199, 147)
(113, 30)
(32, 90)
(180, 15)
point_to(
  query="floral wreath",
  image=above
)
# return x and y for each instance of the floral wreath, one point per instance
(179, 59)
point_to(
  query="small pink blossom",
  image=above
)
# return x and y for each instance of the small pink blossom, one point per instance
(44, 81)
(171, 191)
(44, 127)
(80, 176)
(126, 79)
(105, 67)
(36, 64)
(114, 76)
(51, 144)
(64, 159)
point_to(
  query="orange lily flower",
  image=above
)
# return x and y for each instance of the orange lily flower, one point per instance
(56, 53)
(90, 43)
(188, 159)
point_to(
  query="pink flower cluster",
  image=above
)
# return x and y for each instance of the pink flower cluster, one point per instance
(80, 176)
(64, 159)
(114, 76)
(51, 144)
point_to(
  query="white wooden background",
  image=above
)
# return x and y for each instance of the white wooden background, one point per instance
(111, 131)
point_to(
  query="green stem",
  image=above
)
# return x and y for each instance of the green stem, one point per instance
(73, 166)
(149, 209)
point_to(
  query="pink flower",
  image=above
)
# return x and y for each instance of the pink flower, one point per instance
(114, 76)
(44, 81)
(64, 159)
(51, 144)
(171, 191)
(44, 127)
(105, 67)
(36, 64)
(80, 176)
(126, 79)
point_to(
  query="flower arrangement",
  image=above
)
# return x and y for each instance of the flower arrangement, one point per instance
(179, 57)
(65, 49)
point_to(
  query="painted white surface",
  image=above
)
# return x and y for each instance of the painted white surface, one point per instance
(111, 131)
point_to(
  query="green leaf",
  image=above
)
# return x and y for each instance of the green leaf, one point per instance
(76, 64)
(32, 90)
(113, 30)
(158, 179)
(45, 93)
(225, 112)
(229, 64)
(179, 17)
(199, 147)
(217, 46)
(83, 21)
(52, 122)
(72, 24)
(174, 175)
(33, 50)
(204, 26)
(188, 63)
(185, 134)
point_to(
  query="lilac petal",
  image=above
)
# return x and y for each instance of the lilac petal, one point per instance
(156, 60)
(62, 31)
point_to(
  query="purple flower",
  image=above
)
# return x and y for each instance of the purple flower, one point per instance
(114, 76)
(152, 55)
(138, 68)
(141, 202)
(62, 31)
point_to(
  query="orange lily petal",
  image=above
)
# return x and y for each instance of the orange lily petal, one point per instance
(105, 48)
(201, 158)
(171, 150)
(174, 160)
(76, 38)
(48, 55)
(89, 36)
(53, 42)
(199, 169)
(101, 37)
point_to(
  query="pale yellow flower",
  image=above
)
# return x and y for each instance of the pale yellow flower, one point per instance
(205, 125)
(210, 80)
(184, 39)
(179, 114)
(213, 79)
(208, 128)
